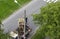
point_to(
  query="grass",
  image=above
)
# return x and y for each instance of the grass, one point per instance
(7, 7)
(39, 34)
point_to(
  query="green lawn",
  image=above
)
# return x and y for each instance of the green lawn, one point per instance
(39, 34)
(7, 7)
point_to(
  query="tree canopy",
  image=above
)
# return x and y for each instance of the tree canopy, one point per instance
(49, 21)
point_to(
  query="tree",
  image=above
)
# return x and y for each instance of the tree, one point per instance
(49, 21)
(3, 35)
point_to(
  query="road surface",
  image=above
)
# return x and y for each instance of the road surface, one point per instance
(11, 23)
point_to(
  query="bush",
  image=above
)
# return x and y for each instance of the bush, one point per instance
(2, 35)
(49, 19)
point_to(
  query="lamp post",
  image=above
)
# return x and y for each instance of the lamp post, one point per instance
(24, 17)
(24, 22)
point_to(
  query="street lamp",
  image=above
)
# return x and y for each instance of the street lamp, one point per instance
(24, 21)
(24, 17)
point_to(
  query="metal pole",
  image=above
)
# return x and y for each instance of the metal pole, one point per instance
(24, 22)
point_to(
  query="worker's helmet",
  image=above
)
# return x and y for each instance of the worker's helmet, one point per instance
(21, 20)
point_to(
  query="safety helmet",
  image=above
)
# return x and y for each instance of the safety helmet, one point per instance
(21, 20)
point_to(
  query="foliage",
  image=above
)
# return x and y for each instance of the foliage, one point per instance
(49, 19)
(2, 35)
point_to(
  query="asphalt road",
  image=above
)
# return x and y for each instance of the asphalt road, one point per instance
(11, 23)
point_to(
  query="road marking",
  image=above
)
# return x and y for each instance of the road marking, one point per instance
(50, 1)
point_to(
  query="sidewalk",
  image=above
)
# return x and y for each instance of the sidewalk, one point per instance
(11, 23)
